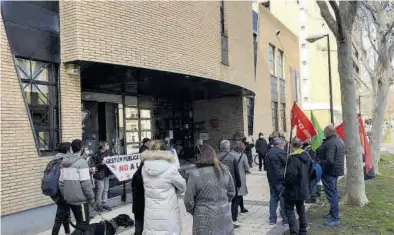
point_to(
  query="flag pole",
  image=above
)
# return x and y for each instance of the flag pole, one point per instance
(289, 145)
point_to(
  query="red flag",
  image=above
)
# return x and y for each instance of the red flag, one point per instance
(366, 151)
(305, 129)
(364, 143)
(340, 131)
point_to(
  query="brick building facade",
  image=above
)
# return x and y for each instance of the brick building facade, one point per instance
(199, 54)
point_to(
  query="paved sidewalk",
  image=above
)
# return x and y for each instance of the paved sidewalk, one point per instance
(253, 222)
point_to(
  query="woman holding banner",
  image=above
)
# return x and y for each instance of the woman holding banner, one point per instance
(162, 184)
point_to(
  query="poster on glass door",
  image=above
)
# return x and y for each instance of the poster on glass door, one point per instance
(123, 166)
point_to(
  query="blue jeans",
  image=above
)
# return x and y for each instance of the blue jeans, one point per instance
(312, 189)
(331, 191)
(275, 191)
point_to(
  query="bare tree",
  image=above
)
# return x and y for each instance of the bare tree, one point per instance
(341, 25)
(376, 20)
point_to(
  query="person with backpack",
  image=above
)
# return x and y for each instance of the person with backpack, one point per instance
(299, 172)
(50, 188)
(101, 176)
(306, 146)
(228, 158)
(76, 186)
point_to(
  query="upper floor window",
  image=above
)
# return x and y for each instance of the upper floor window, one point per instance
(275, 120)
(280, 64)
(271, 51)
(39, 84)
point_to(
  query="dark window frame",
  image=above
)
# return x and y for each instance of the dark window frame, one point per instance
(250, 114)
(280, 70)
(271, 48)
(275, 119)
(283, 116)
(43, 108)
(224, 36)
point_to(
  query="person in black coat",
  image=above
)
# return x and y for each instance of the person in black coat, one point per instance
(299, 172)
(138, 193)
(145, 145)
(306, 146)
(276, 163)
(248, 151)
(261, 149)
(101, 176)
(331, 157)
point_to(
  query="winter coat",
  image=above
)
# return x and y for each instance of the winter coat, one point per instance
(261, 146)
(162, 184)
(298, 174)
(143, 148)
(207, 199)
(229, 159)
(276, 163)
(138, 192)
(59, 198)
(97, 161)
(74, 181)
(243, 166)
(248, 148)
(331, 156)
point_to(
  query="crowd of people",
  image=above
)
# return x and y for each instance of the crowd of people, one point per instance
(213, 190)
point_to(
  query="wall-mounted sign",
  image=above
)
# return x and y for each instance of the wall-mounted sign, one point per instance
(123, 166)
(214, 123)
(204, 136)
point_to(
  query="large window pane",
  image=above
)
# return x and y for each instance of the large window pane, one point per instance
(39, 86)
(39, 94)
(146, 134)
(131, 112)
(145, 125)
(43, 139)
(145, 113)
(133, 148)
(271, 58)
(132, 137)
(132, 125)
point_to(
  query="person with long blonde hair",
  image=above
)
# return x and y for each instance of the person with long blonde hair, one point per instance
(210, 188)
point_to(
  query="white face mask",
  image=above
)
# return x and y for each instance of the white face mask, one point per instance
(260, 136)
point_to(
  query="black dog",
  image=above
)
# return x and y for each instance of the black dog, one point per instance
(106, 227)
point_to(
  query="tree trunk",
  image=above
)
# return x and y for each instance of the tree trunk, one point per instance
(355, 186)
(379, 111)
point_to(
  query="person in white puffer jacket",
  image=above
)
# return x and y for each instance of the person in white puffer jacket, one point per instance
(162, 184)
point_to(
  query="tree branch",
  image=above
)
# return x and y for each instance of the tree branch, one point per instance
(370, 9)
(335, 8)
(325, 13)
(389, 30)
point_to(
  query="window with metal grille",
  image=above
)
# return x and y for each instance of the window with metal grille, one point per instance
(39, 83)
(275, 121)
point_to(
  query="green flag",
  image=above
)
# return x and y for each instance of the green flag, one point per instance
(317, 139)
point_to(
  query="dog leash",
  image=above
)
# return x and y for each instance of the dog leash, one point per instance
(102, 218)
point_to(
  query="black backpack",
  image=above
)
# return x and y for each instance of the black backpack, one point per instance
(50, 181)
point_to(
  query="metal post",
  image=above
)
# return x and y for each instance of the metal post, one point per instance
(330, 79)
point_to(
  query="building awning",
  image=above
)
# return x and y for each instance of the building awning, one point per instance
(138, 81)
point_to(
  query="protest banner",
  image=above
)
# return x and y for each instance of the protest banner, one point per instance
(123, 166)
